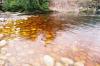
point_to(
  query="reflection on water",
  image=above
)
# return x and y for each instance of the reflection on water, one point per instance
(48, 25)
(74, 37)
(36, 25)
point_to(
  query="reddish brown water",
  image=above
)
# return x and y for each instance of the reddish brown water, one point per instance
(57, 35)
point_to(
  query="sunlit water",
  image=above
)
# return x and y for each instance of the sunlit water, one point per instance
(57, 35)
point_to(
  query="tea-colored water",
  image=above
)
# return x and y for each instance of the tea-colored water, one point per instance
(57, 35)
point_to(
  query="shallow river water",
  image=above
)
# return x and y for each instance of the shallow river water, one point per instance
(51, 40)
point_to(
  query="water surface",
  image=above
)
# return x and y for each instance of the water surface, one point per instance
(57, 35)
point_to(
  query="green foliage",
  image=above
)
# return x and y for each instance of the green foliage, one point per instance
(26, 5)
(12, 5)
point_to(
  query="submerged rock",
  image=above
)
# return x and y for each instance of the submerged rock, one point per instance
(1, 35)
(48, 60)
(78, 64)
(59, 64)
(3, 42)
(67, 61)
(1, 62)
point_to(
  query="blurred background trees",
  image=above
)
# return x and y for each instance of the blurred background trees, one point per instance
(26, 5)
(87, 6)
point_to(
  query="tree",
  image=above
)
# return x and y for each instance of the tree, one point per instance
(26, 5)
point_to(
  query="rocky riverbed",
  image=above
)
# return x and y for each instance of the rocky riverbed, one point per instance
(75, 41)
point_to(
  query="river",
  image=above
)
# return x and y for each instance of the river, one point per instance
(51, 39)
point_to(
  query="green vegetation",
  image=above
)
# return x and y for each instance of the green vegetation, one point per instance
(26, 5)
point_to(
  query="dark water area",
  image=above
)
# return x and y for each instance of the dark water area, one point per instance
(75, 37)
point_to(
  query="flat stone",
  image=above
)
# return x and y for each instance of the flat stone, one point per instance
(48, 60)
(1, 62)
(12, 60)
(3, 57)
(59, 64)
(25, 65)
(79, 64)
(3, 51)
(67, 61)
(97, 64)
(2, 19)
(3, 42)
